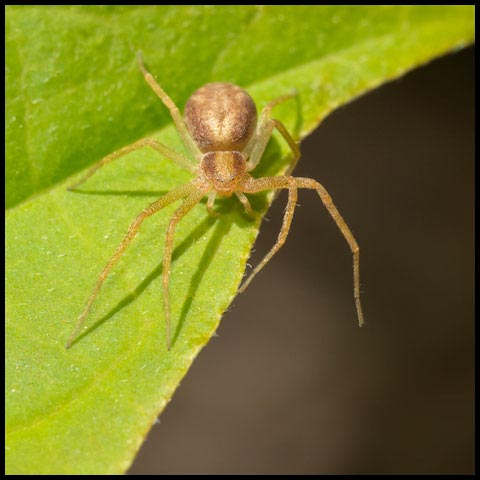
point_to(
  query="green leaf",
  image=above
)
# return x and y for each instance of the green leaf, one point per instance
(74, 94)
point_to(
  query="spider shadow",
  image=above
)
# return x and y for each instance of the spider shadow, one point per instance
(129, 193)
(198, 232)
(230, 212)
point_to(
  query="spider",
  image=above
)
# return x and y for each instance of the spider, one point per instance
(221, 132)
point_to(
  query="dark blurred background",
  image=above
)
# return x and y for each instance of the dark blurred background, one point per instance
(292, 385)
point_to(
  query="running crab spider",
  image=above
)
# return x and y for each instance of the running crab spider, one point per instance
(221, 132)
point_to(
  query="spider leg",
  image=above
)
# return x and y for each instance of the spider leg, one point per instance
(246, 204)
(287, 221)
(256, 147)
(292, 144)
(187, 205)
(174, 112)
(210, 202)
(178, 158)
(267, 183)
(346, 232)
(170, 197)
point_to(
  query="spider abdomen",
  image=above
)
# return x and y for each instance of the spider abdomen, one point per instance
(220, 117)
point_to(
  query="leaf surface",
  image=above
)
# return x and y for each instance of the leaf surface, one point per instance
(74, 94)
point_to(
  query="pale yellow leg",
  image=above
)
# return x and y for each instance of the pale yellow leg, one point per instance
(287, 221)
(256, 147)
(210, 204)
(187, 205)
(269, 183)
(291, 142)
(179, 159)
(170, 197)
(174, 111)
(245, 203)
(341, 224)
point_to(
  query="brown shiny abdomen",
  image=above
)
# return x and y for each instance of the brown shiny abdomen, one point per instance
(220, 117)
